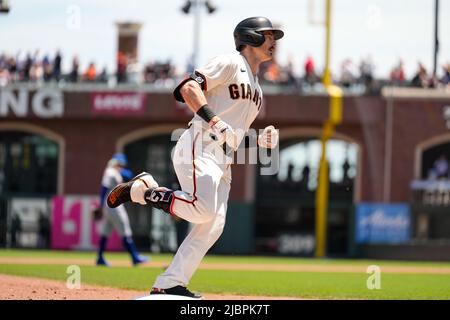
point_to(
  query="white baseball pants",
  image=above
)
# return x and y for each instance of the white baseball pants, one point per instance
(205, 180)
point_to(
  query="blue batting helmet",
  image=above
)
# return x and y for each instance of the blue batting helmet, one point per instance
(120, 158)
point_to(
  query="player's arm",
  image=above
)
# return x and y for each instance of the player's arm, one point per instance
(190, 91)
(193, 95)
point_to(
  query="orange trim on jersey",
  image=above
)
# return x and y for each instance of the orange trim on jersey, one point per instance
(193, 178)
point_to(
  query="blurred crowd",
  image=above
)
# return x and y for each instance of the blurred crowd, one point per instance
(47, 68)
(37, 68)
(352, 74)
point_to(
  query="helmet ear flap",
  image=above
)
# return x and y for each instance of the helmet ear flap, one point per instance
(249, 37)
(259, 38)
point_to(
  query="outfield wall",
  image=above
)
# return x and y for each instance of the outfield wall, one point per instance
(88, 124)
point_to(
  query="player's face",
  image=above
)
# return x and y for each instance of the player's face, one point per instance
(268, 47)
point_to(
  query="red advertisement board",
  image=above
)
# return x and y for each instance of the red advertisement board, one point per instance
(118, 103)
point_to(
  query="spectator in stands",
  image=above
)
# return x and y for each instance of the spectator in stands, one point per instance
(73, 76)
(3, 59)
(5, 76)
(57, 66)
(134, 72)
(347, 73)
(366, 68)
(26, 68)
(397, 75)
(420, 79)
(36, 71)
(149, 74)
(91, 74)
(121, 67)
(47, 69)
(310, 72)
(160, 73)
(103, 76)
(445, 80)
(12, 68)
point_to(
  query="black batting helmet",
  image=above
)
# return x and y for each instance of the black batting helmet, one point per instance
(249, 32)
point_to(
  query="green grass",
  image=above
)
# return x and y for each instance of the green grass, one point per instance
(304, 284)
(221, 259)
(268, 283)
(56, 254)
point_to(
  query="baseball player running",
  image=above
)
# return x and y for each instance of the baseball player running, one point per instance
(226, 97)
(115, 218)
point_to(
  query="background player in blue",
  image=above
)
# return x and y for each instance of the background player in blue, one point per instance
(116, 218)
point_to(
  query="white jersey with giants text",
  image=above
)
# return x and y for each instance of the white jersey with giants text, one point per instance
(232, 92)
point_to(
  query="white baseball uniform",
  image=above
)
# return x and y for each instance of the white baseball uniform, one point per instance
(234, 94)
(114, 217)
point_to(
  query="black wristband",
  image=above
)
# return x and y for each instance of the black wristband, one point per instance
(206, 113)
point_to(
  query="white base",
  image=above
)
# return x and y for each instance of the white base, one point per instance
(164, 297)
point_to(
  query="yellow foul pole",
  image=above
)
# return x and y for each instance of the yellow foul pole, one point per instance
(326, 75)
(335, 117)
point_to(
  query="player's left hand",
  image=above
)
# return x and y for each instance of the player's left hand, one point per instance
(268, 138)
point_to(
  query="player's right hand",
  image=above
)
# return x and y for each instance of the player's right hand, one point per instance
(224, 132)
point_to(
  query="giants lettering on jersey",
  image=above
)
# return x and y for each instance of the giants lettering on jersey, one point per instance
(245, 92)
